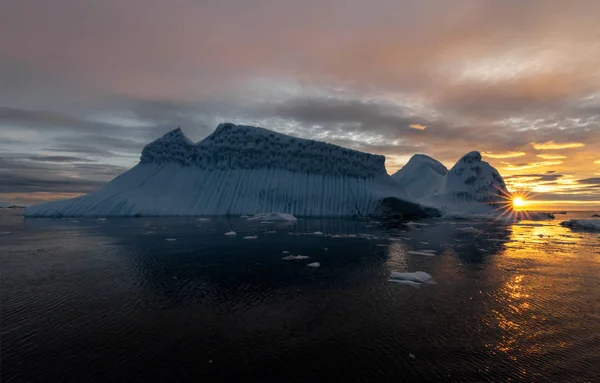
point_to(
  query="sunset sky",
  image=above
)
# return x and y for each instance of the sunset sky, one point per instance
(85, 84)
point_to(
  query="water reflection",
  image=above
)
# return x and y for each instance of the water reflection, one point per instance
(510, 300)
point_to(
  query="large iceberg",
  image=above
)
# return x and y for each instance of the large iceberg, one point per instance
(244, 170)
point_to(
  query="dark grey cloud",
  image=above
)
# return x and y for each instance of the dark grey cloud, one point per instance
(590, 181)
(58, 159)
(11, 182)
(18, 174)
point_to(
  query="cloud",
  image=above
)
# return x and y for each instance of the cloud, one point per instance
(417, 126)
(504, 155)
(11, 182)
(590, 181)
(18, 174)
(551, 145)
(545, 177)
(597, 162)
(551, 156)
(58, 159)
(532, 165)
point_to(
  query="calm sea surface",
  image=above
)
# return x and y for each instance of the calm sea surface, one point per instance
(174, 299)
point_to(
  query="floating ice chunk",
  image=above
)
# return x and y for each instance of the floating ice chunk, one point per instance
(5, 232)
(417, 276)
(317, 233)
(244, 216)
(415, 224)
(423, 252)
(295, 257)
(425, 243)
(285, 252)
(150, 232)
(585, 224)
(251, 237)
(101, 219)
(231, 233)
(403, 282)
(314, 264)
(470, 229)
(203, 219)
(273, 217)
(170, 239)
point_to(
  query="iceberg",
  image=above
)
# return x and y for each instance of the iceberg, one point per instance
(295, 257)
(472, 186)
(584, 224)
(241, 170)
(314, 264)
(231, 233)
(251, 237)
(419, 277)
(421, 176)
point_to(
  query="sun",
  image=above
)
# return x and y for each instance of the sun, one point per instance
(519, 202)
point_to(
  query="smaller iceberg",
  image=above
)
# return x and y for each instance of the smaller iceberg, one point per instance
(584, 224)
(231, 233)
(295, 257)
(415, 279)
(283, 217)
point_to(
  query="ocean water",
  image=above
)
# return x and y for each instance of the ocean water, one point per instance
(174, 299)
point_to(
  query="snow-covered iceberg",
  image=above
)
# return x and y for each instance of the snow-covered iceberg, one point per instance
(244, 170)
(471, 186)
(584, 224)
(421, 176)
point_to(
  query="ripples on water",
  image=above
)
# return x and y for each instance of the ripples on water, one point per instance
(86, 300)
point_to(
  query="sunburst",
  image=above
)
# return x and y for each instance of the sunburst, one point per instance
(511, 205)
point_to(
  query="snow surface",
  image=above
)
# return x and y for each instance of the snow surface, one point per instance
(417, 276)
(241, 170)
(421, 176)
(273, 217)
(586, 224)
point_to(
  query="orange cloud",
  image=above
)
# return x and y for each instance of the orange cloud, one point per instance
(417, 126)
(551, 145)
(597, 162)
(504, 155)
(551, 156)
(532, 165)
